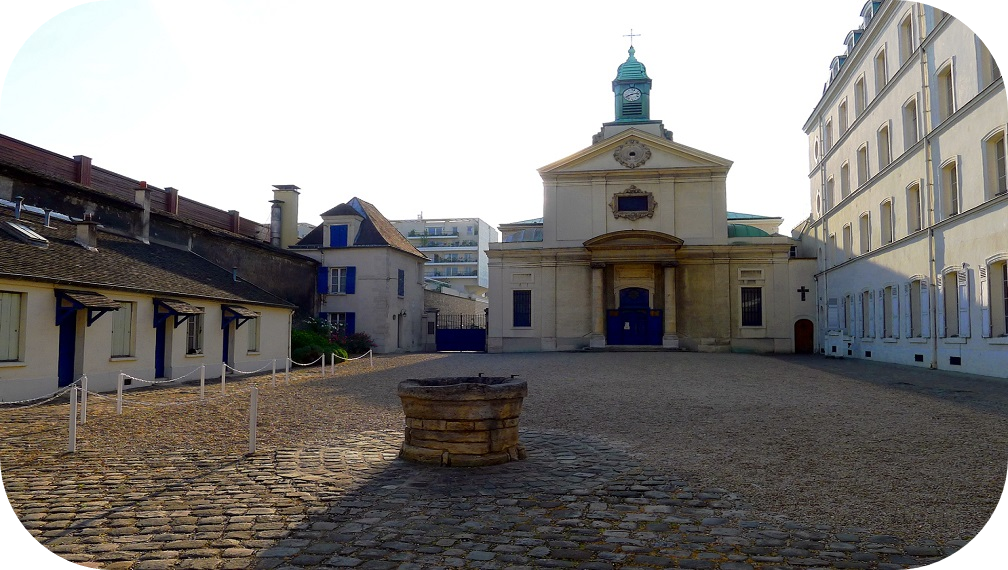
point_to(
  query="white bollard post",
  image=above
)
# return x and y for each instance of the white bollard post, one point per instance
(332, 365)
(273, 377)
(83, 409)
(323, 365)
(72, 446)
(119, 390)
(371, 357)
(202, 381)
(223, 369)
(253, 418)
(287, 370)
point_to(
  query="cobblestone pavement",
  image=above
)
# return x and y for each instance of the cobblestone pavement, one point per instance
(578, 501)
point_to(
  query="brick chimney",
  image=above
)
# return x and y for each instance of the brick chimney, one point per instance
(82, 170)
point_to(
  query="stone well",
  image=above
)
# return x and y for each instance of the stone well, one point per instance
(463, 422)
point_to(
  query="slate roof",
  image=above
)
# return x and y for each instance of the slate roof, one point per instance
(375, 229)
(121, 263)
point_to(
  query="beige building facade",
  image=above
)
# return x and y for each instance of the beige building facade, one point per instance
(635, 249)
(908, 196)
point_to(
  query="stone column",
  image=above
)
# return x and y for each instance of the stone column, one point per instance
(670, 339)
(598, 339)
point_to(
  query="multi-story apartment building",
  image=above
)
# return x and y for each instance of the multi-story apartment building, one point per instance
(456, 248)
(909, 207)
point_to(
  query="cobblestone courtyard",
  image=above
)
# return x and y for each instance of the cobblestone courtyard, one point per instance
(635, 460)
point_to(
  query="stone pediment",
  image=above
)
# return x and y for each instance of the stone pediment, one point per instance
(636, 151)
(633, 243)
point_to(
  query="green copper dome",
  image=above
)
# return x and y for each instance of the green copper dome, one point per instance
(631, 68)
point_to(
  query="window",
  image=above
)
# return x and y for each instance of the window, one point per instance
(946, 93)
(890, 311)
(860, 95)
(950, 190)
(881, 76)
(401, 289)
(844, 180)
(916, 312)
(864, 224)
(344, 323)
(848, 248)
(833, 252)
(10, 326)
(341, 280)
(842, 117)
(914, 208)
(954, 303)
(122, 330)
(752, 306)
(886, 222)
(522, 310)
(906, 45)
(828, 136)
(253, 334)
(910, 132)
(862, 165)
(194, 334)
(867, 315)
(994, 297)
(995, 150)
(988, 67)
(848, 315)
(999, 298)
(829, 193)
(338, 235)
(884, 147)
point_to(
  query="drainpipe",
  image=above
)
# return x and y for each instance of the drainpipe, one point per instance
(928, 183)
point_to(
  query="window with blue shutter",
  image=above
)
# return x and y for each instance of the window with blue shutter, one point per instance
(402, 283)
(323, 280)
(351, 279)
(338, 236)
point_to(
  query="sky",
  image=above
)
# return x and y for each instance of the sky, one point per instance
(441, 108)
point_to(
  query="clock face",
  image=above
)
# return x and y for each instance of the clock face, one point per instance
(632, 94)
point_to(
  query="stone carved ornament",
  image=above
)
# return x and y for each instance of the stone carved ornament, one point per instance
(633, 214)
(632, 153)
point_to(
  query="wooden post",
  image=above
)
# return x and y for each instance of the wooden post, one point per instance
(72, 446)
(119, 391)
(253, 417)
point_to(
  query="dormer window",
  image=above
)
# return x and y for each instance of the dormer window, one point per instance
(338, 235)
(868, 12)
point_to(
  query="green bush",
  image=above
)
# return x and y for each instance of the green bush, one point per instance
(308, 345)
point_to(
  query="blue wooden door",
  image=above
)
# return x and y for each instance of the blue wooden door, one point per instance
(159, 350)
(67, 349)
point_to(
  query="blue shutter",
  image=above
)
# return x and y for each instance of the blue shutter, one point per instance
(338, 236)
(402, 283)
(351, 325)
(351, 278)
(323, 280)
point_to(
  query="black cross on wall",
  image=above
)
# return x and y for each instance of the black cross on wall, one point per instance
(803, 290)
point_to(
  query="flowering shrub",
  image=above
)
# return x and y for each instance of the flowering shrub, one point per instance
(356, 343)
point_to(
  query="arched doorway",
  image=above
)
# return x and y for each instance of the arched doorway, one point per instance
(635, 322)
(804, 332)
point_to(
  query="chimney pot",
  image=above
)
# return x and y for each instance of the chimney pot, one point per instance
(87, 233)
(18, 204)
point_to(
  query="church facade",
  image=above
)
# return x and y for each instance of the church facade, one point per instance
(637, 248)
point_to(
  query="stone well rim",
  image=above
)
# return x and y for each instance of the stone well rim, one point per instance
(463, 387)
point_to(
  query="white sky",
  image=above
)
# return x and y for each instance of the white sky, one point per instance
(445, 108)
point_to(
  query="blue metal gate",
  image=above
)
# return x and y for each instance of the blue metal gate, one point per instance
(463, 333)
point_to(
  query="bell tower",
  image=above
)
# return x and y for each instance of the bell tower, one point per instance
(632, 89)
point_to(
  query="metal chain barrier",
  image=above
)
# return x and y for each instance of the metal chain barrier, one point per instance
(45, 399)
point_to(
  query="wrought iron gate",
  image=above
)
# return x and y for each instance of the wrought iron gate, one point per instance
(464, 333)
